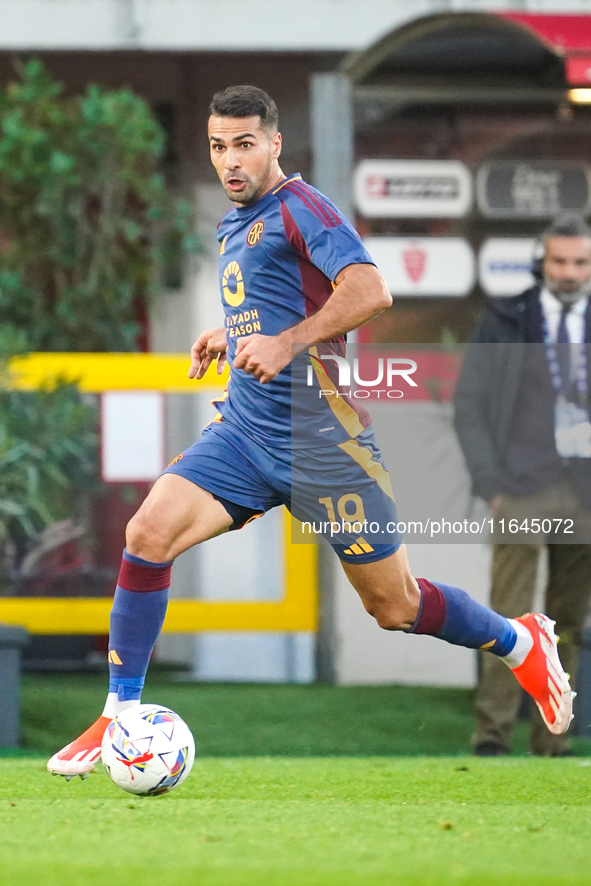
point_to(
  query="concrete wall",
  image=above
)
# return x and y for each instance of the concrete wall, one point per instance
(362, 653)
(365, 654)
(204, 25)
(429, 479)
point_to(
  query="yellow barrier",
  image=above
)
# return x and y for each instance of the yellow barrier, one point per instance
(94, 373)
(297, 611)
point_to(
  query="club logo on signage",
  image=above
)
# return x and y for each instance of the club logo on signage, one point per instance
(376, 187)
(413, 188)
(536, 189)
(429, 266)
(415, 262)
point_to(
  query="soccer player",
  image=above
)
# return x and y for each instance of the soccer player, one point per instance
(292, 271)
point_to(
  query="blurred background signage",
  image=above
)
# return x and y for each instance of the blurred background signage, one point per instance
(532, 189)
(432, 266)
(504, 265)
(413, 188)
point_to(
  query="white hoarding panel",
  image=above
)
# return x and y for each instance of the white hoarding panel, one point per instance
(429, 266)
(413, 188)
(132, 436)
(504, 265)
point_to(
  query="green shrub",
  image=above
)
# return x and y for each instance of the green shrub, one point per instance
(87, 225)
(88, 232)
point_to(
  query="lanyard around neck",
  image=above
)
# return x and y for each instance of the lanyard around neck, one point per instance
(580, 379)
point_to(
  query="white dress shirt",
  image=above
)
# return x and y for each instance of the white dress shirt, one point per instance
(575, 319)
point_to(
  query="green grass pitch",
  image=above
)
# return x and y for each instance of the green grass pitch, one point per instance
(295, 786)
(328, 821)
(238, 720)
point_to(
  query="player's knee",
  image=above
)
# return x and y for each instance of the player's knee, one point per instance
(391, 619)
(398, 609)
(136, 533)
(388, 614)
(145, 538)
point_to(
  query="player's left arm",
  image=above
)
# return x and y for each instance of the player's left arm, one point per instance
(360, 294)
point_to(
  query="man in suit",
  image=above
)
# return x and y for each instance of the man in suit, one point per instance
(522, 409)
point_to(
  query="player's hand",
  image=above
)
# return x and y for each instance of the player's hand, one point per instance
(211, 345)
(263, 356)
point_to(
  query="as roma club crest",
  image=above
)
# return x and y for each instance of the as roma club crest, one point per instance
(255, 233)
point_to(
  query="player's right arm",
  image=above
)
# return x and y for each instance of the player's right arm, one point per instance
(322, 237)
(360, 294)
(211, 345)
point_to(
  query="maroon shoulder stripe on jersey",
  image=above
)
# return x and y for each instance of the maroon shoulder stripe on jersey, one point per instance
(316, 287)
(307, 203)
(316, 209)
(328, 215)
(321, 204)
(294, 235)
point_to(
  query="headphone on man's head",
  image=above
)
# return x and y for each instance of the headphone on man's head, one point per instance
(566, 225)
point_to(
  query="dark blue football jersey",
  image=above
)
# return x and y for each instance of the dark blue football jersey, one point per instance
(279, 258)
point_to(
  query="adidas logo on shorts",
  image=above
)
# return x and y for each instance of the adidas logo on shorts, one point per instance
(359, 547)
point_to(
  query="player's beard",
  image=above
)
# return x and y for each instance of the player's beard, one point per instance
(254, 187)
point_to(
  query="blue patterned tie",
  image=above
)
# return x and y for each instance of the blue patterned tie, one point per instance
(563, 350)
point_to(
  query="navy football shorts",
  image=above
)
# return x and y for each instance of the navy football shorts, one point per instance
(341, 493)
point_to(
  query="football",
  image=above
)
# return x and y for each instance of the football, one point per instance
(148, 750)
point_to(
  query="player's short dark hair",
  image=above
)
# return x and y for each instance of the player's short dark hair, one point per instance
(245, 101)
(568, 225)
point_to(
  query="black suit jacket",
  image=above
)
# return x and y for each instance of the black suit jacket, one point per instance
(488, 387)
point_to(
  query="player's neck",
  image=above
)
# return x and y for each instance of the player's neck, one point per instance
(277, 176)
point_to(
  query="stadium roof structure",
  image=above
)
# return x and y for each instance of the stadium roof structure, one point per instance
(569, 36)
(504, 56)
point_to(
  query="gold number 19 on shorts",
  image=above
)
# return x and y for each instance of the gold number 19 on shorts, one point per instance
(358, 516)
